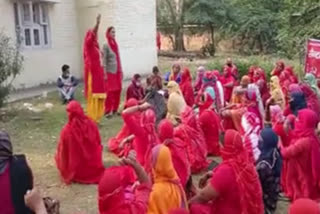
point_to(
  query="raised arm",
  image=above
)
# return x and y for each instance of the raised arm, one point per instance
(96, 27)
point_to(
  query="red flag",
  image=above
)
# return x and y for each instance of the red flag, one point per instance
(312, 64)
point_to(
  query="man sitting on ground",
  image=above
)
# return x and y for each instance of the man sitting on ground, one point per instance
(67, 84)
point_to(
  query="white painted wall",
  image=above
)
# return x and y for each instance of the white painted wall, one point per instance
(135, 22)
(44, 65)
(135, 25)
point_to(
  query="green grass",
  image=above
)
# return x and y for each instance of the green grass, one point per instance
(37, 134)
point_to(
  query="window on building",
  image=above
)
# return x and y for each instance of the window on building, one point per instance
(32, 24)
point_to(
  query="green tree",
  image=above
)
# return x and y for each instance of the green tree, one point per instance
(211, 14)
(11, 62)
(299, 21)
(170, 14)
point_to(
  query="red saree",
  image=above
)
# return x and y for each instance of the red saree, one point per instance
(79, 152)
(226, 80)
(92, 64)
(145, 136)
(114, 142)
(303, 159)
(186, 87)
(189, 131)
(177, 149)
(116, 196)
(235, 180)
(234, 155)
(312, 99)
(114, 80)
(210, 124)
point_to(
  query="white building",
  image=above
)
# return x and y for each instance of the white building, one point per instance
(51, 34)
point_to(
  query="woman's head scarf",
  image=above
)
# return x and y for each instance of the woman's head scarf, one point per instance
(5, 150)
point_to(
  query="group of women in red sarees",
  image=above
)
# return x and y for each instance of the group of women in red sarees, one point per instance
(219, 115)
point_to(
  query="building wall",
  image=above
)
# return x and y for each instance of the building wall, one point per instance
(44, 65)
(135, 23)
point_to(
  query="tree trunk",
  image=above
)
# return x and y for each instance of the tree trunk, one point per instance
(213, 40)
(179, 43)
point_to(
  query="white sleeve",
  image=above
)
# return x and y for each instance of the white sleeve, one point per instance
(260, 103)
(221, 93)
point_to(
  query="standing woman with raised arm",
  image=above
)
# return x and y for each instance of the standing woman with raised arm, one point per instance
(114, 75)
(93, 74)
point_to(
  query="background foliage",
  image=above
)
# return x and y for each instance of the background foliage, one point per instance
(10, 65)
(258, 26)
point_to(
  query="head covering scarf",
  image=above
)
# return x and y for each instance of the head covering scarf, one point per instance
(276, 92)
(176, 103)
(167, 193)
(304, 206)
(174, 76)
(113, 143)
(269, 150)
(253, 103)
(200, 73)
(279, 68)
(297, 102)
(251, 71)
(5, 150)
(206, 101)
(147, 122)
(295, 88)
(192, 135)
(259, 74)
(185, 76)
(312, 99)
(305, 128)
(186, 87)
(135, 90)
(114, 190)
(78, 156)
(114, 47)
(234, 154)
(177, 148)
(311, 80)
(276, 114)
(210, 80)
(92, 65)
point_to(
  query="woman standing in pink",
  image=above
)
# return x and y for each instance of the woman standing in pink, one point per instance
(113, 73)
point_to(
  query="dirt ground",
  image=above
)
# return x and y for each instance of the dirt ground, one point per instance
(35, 134)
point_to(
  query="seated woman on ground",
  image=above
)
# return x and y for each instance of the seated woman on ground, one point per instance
(269, 167)
(135, 89)
(231, 189)
(144, 131)
(167, 192)
(12, 187)
(121, 144)
(156, 100)
(176, 103)
(156, 79)
(79, 152)
(116, 193)
(174, 74)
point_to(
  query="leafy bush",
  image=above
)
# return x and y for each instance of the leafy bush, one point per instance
(244, 63)
(11, 62)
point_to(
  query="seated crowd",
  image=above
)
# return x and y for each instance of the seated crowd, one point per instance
(265, 134)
